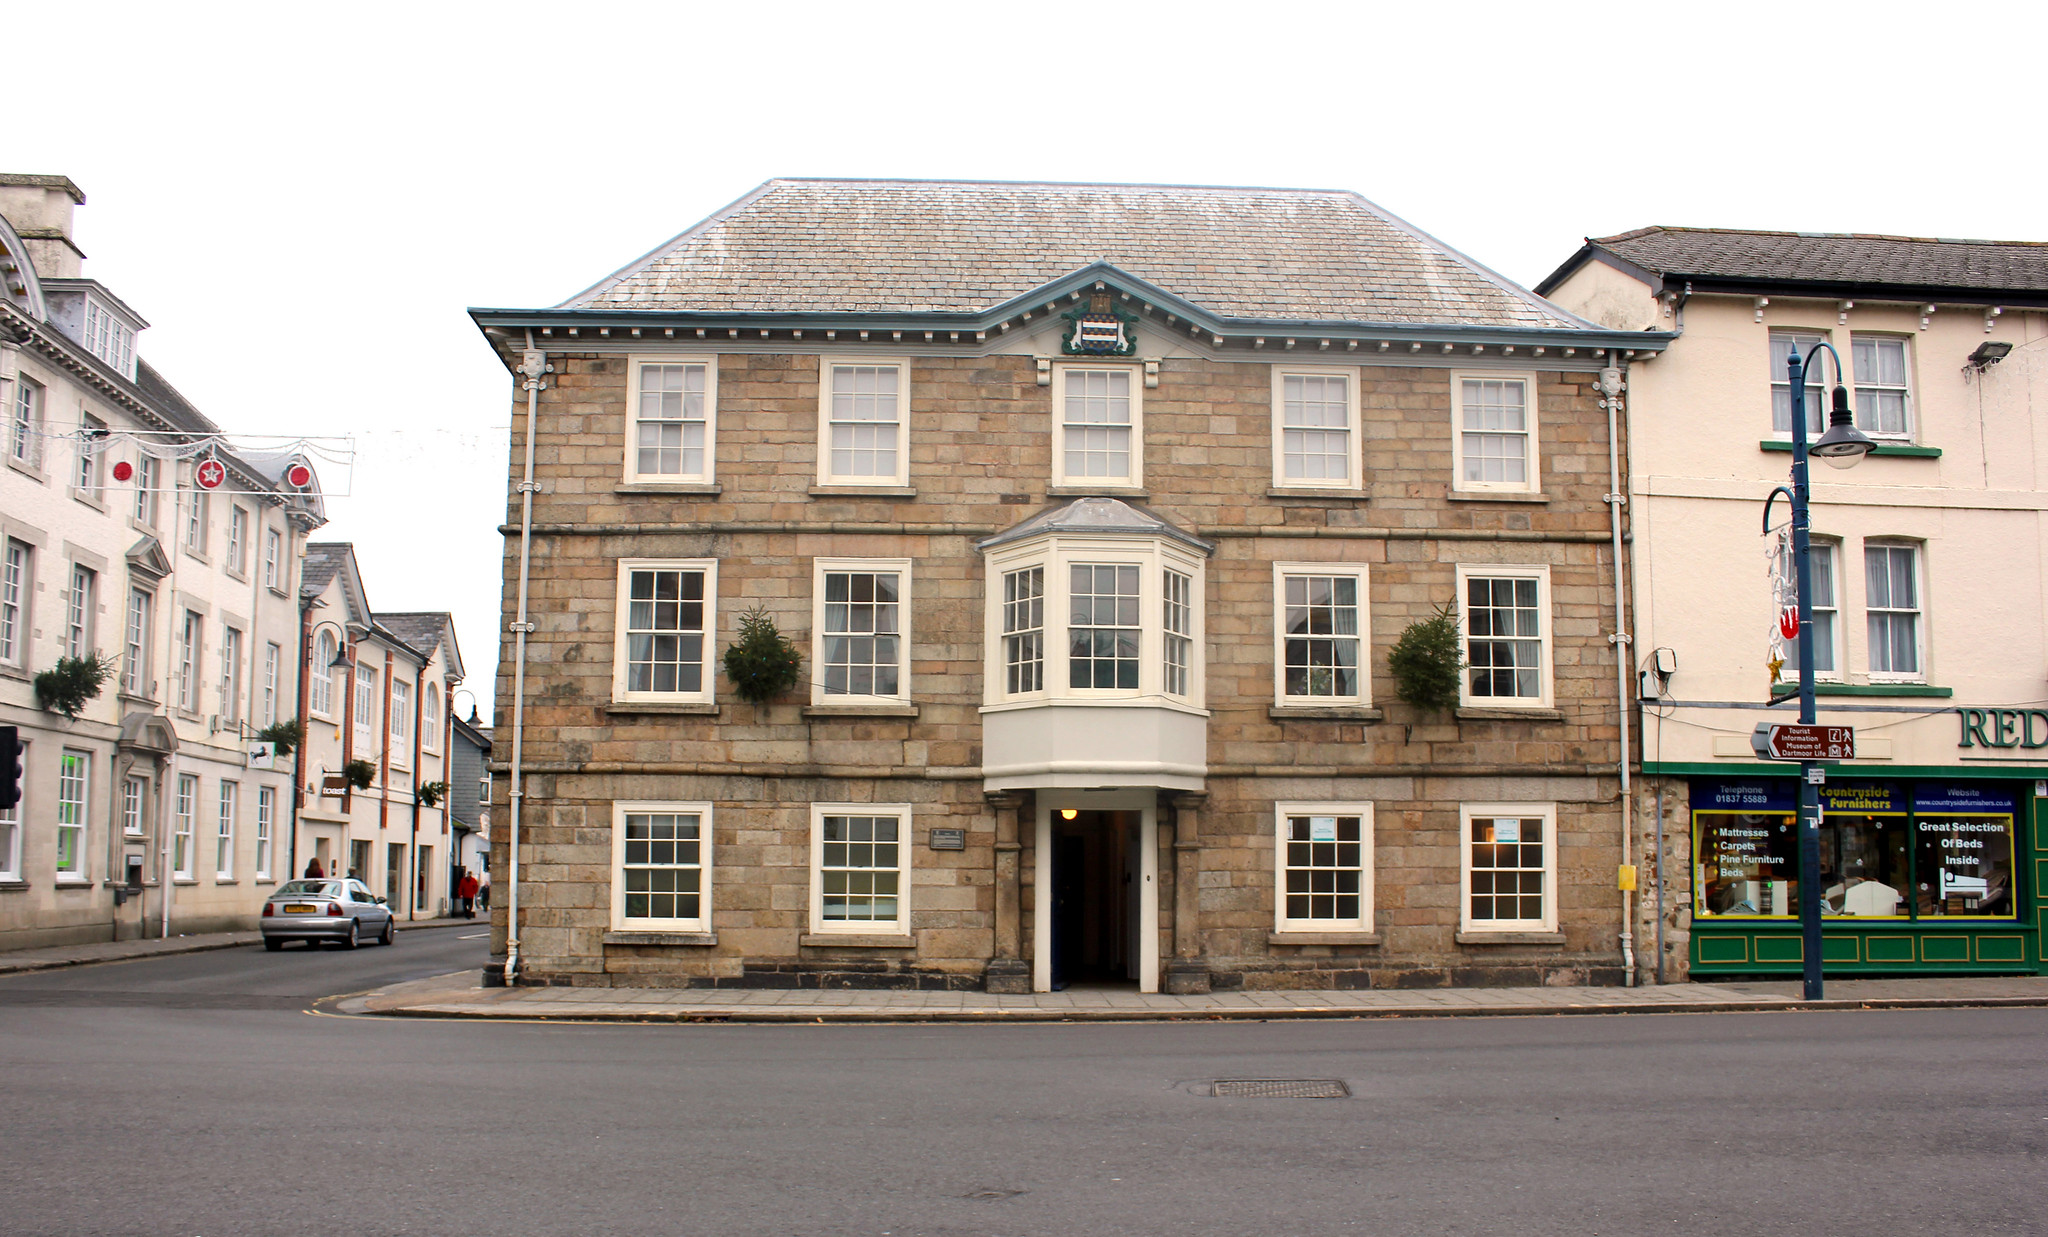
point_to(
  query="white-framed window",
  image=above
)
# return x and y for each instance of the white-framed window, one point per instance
(1504, 616)
(25, 427)
(238, 540)
(273, 558)
(17, 583)
(661, 867)
(79, 611)
(1782, 344)
(860, 868)
(1323, 867)
(135, 642)
(87, 479)
(188, 661)
(149, 471)
(1825, 604)
(860, 617)
(1891, 602)
(1094, 619)
(430, 718)
(321, 675)
(135, 806)
(184, 822)
(1493, 438)
(273, 661)
(1315, 428)
(863, 422)
(667, 615)
(197, 503)
(1507, 867)
(366, 708)
(1098, 426)
(10, 830)
(1320, 651)
(110, 339)
(224, 836)
(1023, 631)
(1884, 397)
(230, 673)
(74, 787)
(401, 721)
(674, 428)
(266, 827)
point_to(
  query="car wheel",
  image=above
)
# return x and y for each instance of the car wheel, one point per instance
(273, 943)
(390, 933)
(349, 941)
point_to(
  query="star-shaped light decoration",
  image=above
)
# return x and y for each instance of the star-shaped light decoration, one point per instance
(1777, 665)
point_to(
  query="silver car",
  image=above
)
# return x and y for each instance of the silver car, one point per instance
(325, 910)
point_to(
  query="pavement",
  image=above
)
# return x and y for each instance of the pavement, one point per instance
(19, 961)
(461, 995)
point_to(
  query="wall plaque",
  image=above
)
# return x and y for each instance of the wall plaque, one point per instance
(949, 839)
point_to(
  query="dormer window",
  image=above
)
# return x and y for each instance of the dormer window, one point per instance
(109, 338)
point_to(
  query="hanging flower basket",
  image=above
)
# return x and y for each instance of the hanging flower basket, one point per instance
(284, 737)
(431, 793)
(360, 773)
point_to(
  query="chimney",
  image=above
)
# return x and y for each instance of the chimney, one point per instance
(39, 208)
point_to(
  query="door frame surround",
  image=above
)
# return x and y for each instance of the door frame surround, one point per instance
(1143, 800)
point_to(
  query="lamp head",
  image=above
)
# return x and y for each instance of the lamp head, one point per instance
(1843, 446)
(1067, 813)
(472, 713)
(340, 661)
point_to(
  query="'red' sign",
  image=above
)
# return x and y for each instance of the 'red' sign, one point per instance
(1789, 741)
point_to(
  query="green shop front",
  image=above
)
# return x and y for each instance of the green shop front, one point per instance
(1930, 875)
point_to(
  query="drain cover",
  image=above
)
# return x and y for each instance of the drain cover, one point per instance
(1280, 1089)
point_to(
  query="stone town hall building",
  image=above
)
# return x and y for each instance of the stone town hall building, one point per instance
(1095, 511)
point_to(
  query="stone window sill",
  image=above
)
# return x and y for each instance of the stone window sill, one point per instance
(1323, 713)
(1287, 492)
(15, 672)
(863, 491)
(1495, 496)
(10, 886)
(27, 470)
(661, 938)
(693, 708)
(1510, 938)
(218, 882)
(849, 940)
(707, 489)
(1095, 491)
(90, 499)
(184, 880)
(1473, 713)
(1323, 938)
(860, 710)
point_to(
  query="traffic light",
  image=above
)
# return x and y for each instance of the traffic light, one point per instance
(10, 768)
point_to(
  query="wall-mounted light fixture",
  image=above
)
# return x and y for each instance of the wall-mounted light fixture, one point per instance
(1988, 354)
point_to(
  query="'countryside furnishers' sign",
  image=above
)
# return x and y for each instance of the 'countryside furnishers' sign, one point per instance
(2023, 728)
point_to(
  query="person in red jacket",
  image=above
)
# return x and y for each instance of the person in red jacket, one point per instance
(467, 892)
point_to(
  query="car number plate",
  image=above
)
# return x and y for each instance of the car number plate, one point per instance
(297, 908)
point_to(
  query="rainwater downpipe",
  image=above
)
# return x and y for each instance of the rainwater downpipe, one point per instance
(534, 364)
(1610, 388)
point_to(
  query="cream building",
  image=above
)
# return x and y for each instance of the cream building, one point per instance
(376, 692)
(129, 528)
(1929, 568)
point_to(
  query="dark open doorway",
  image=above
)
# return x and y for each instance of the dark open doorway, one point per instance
(1096, 882)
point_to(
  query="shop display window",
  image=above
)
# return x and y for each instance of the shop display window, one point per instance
(1943, 851)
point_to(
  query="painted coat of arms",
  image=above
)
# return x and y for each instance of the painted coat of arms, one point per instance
(1100, 329)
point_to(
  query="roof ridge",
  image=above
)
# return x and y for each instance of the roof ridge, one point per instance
(1796, 235)
(1052, 184)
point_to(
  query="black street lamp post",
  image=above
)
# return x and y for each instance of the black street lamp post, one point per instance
(1842, 446)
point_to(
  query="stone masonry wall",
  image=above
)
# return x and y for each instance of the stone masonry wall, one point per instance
(980, 461)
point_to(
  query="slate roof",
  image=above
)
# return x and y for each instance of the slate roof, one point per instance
(418, 631)
(1833, 258)
(324, 560)
(1101, 516)
(891, 246)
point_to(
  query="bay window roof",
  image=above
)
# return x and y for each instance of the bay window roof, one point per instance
(1100, 517)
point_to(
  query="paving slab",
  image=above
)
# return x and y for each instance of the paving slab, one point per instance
(461, 995)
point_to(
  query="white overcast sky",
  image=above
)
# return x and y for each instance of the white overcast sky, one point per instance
(302, 200)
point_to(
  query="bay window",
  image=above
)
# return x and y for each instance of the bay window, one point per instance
(1125, 622)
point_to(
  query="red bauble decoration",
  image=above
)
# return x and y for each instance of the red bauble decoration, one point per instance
(299, 476)
(1788, 624)
(210, 474)
(123, 470)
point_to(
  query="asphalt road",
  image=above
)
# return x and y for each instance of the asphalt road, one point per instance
(196, 1095)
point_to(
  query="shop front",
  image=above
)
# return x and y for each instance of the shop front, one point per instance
(1918, 875)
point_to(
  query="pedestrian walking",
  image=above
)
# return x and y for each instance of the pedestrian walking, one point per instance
(483, 891)
(467, 891)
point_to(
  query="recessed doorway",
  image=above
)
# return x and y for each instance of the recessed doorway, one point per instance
(1095, 900)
